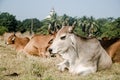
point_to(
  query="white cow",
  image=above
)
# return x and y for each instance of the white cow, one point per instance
(81, 55)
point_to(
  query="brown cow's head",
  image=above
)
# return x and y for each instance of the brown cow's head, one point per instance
(11, 39)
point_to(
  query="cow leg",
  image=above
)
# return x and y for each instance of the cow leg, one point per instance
(87, 70)
(63, 65)
(41, 52)
(111, 54)
(82, 70)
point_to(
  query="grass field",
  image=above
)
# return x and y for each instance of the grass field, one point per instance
(18, 66)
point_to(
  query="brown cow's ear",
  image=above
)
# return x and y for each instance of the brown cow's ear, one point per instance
(57, 28)
(14, 34)
(49, 29)
(13, 39)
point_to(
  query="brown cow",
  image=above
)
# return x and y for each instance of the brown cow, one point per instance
(6, 35)
(112, 46)
(106, 42)
(112, 51)
(39, 43)
(17, 42)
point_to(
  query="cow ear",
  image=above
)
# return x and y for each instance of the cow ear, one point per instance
(50, 42)
(14, 34)
(49, 29)
(57, 28)
(71, 28)
(13, 39)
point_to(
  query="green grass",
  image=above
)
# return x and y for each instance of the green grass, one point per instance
(36, 68)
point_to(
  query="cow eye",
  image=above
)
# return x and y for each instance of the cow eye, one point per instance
(63, 37)
(50, 42)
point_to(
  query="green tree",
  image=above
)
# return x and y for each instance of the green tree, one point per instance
(9, 21)
(117, 22)
(27, 23)
(44, 27)
(88, 25)
(92, 27)
(110, 29)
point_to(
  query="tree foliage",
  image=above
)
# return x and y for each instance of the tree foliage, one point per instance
(29, 24)
(111, 29)
(85, 26)
(7, 20)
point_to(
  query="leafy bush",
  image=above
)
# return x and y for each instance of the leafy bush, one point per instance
(3, 30)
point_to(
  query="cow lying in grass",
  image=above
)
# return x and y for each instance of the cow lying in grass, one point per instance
(38, 45)
(112, 46)
(17, 42)
(112, 51)
(81, 56)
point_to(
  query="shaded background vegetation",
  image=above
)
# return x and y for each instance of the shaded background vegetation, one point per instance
(85, 26)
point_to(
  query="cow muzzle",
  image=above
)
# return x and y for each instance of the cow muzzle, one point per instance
(52, 51)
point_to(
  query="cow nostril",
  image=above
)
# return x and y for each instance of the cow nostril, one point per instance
(50, 50)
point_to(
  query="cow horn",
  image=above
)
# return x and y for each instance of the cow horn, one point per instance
(72, 27)
(49, 29)
(74, 23)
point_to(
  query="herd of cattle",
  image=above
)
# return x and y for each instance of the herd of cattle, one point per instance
(81, 55)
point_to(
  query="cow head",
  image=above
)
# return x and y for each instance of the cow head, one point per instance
(63, 40)
(11, 39)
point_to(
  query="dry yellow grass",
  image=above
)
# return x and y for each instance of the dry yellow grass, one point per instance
(36, 68)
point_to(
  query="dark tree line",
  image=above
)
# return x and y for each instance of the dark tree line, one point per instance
(85, 26)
